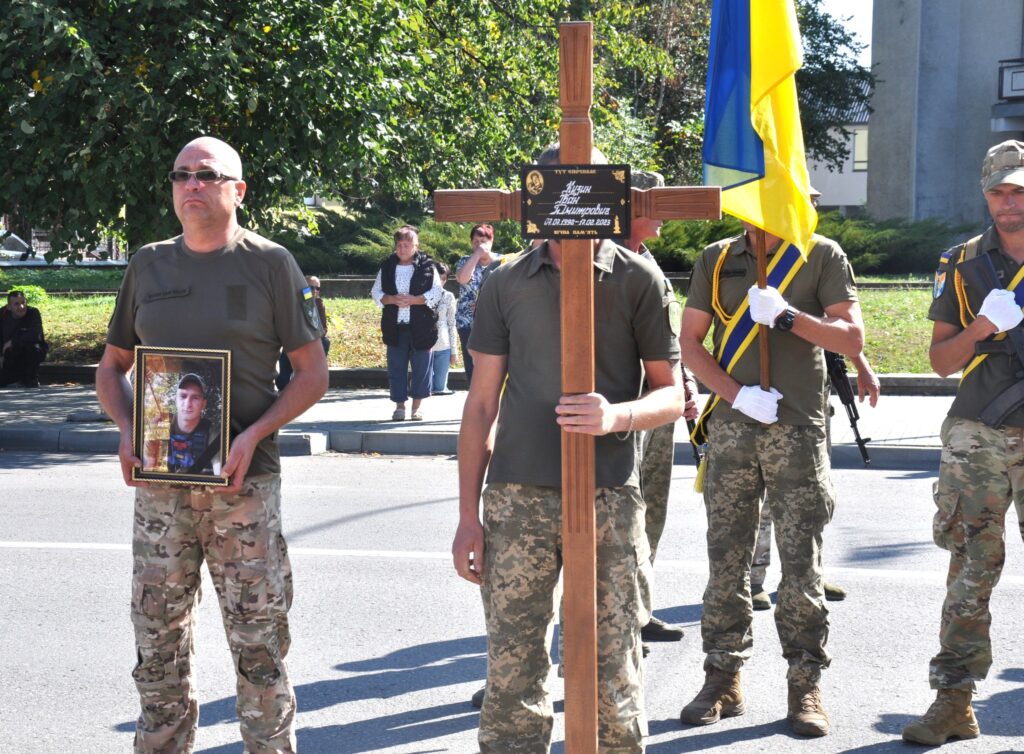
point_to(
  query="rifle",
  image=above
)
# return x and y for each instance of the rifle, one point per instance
(836, 366)
(979, 273)
(697, 455)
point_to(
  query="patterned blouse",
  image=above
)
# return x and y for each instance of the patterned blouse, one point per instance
(403, 277)
(466, 309)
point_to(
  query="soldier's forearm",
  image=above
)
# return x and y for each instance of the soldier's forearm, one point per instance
(114, 393)
(707, 370)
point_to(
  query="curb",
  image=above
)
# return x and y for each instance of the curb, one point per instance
(340, 377)
(74, 438)
(366, 377)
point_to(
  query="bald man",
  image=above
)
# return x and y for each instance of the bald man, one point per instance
(215, 286)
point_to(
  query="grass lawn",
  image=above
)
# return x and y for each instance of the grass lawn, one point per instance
(897, 330)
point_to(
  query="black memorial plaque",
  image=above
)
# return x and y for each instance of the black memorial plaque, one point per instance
(575, 201)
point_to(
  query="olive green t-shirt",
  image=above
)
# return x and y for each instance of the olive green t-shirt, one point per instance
(246, 298)
(996, 372)
(797, 366)
(517, 315)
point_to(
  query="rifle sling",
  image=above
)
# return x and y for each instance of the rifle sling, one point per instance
(1004, 404)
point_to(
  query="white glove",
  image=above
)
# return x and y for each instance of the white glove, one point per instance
(762, 405)
(766, 304)
(1001, 310)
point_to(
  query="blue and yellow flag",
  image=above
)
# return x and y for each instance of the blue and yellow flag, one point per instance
(753, 143)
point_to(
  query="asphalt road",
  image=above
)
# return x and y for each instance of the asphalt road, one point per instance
(389, 643)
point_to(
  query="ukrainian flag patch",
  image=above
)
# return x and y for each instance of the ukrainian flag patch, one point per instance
(309, 309)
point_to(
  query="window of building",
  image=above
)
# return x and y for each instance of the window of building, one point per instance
(860, 150)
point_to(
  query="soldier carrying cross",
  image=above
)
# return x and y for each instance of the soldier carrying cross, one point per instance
(515, 553)
(594, 312)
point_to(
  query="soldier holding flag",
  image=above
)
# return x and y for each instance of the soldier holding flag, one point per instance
(767, 442)
(765, 424)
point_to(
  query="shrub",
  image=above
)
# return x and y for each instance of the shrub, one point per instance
(62, 278)
(356, 243)
(890, 247)
(34, 294)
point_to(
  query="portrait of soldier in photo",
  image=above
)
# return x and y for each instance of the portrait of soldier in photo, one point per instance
(183, 421)
(190, 430)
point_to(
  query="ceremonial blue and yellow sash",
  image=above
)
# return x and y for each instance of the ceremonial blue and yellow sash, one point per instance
(740, 329)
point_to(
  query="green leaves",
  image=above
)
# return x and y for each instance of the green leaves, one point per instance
(370, 101)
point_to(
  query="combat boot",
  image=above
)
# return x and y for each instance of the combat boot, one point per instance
(834, 592)
(759, 597)
(477, 700)
(720, 697)
(950, 715)
(807, 716)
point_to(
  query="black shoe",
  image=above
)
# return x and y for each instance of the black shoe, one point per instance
(477, 700)
(659, 630)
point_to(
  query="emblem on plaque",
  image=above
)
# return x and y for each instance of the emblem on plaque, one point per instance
(534, 182)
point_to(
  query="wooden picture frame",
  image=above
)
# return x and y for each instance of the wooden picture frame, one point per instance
(182, 415)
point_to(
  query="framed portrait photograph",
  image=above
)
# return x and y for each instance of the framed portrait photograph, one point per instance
(181, 415)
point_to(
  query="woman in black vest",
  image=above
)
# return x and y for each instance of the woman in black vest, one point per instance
(409, 290)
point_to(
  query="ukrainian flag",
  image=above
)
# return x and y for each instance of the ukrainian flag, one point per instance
(753, 143)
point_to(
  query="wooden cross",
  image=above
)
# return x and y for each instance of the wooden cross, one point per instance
(579, 559)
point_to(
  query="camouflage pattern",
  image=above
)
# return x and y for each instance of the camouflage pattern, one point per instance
(981, 471)
(522, 561)
(788, 461)
(763, 547)
(239, 537)
(657, 451)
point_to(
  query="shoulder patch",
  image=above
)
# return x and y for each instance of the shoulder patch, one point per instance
(309, 308)
(940, 282)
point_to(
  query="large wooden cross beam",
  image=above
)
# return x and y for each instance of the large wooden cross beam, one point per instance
(577, 330)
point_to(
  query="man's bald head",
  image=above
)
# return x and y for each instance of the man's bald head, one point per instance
(218, 150)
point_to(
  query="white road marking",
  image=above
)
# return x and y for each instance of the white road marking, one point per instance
(696, 567)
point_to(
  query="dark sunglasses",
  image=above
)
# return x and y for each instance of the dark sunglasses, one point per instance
(203, 176)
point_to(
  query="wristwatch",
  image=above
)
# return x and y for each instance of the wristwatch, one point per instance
(784, 322)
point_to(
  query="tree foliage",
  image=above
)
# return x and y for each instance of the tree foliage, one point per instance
(372, 101)
(831, 83)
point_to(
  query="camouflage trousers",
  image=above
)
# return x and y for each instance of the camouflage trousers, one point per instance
(522, 561)
(763, 547)
(657, 453)
(981, 471)
(789, 463)
(239, 537)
